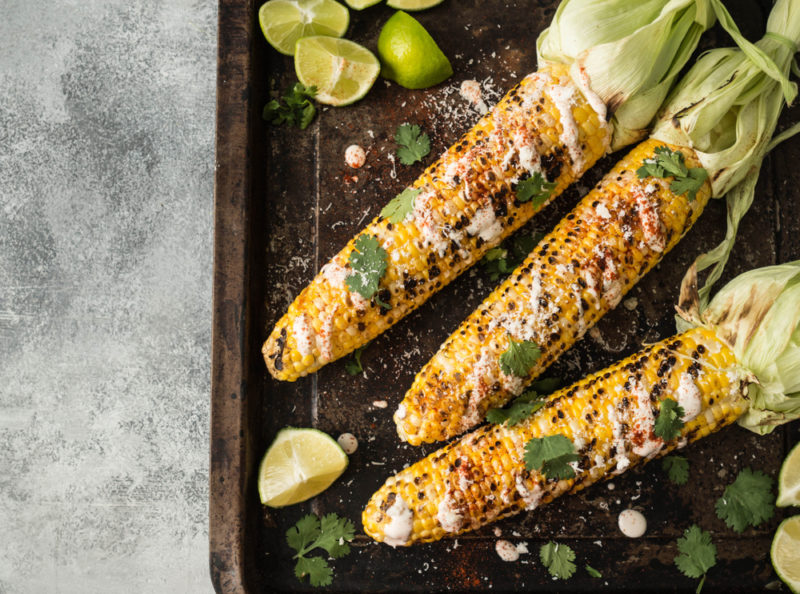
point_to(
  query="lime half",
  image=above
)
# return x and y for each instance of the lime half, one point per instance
(342, 70)
(361, 4)
(785, 552)
(409, 55)
(789, 480)
(413, 4)
(283, 22)
(299, 464)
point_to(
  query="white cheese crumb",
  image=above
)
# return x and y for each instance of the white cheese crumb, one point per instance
(379, 403)
(348, 442)
(506, 551)
(631, 304)
(632, 523)
(471, 91)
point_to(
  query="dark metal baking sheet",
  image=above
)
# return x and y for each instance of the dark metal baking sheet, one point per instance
(285, 202)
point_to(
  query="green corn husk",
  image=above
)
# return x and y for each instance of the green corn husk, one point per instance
(758, 315)
(627, 51)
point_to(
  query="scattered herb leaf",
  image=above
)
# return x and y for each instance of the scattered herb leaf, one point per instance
(414, 144)
(399, 206)
(535, 188)
(697, 554)
(668, 163)
(669, 421)
(521, 408)
(593, 572)
(331, 533)
(368, 261)
(503, 259)
(551, 455)
(296, 109)
(558, 559)
(677, 469)
(353, 365)
(748, 501)
(546, 385)
(519, 357)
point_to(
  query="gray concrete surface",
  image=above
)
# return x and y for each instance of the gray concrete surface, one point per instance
(106, 164)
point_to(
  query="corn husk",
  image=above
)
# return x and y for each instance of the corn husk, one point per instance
(757, 315)
(628, 52)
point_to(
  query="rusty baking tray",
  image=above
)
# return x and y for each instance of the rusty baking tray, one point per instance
(285, 202)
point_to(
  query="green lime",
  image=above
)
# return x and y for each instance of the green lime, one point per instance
(785, 552)
(342, 70)
(299, 464)
(283, 22)
(413, 4)
(409, 55)
(789, 480)
(361, 4)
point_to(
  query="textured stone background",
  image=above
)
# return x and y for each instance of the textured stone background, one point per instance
(106, 153)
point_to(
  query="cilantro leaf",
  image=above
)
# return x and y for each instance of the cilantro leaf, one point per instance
(535, 188)
(558, 559)
(400, 206)
(521, 408)
(519, 357)
(593, 572)
(546, 385)
(296, 109)
(414, 144)
(331, 533)
(551, 455)
(697, 554)
(677, 469)
(368, 261)
(669, 421)
(501, 260)
(353, 366)
(748, 501)
(668, 163)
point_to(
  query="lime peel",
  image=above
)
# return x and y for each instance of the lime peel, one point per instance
(284, 22)
(789, 479)
(785, 552)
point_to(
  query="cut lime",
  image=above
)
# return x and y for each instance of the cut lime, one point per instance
(785, 552)
(361, 4)
(413, 4)
(299, 464)
(409, 55)
(342, 70)
(789, 480)
(283, 22)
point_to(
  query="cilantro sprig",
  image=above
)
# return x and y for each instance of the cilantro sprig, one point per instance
(551, 455)
(353, 365)
(535, 188)
(414, 144)
(697, 554)
(368, 261)
(400, 206)
(593, 572)
(296, 110)
(748, 501)
(503, 259)
(330, 533)
(521, 408)
(558, 559)
(677, 469)
(670, 420)
(669, 163)
(519, 357)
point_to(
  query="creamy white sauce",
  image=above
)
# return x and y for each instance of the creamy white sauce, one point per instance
(485, 224)
(303, 335)
(471, 91)
(650, 223)
(428, 222)
(623, 462)
(401, 522)
(532, 496)
(689, 397)
(585, 85)
(401, 412)
(529, 158)
(336, 274)
(612, 288)
(449, 515)
(643, 421)
(563, 97)
(632, 523)
(509, 552)
(602, 210)
(325, 334)
(355, 156)
(348, 443)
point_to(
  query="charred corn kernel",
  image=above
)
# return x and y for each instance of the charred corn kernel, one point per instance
(609, 417)
(581, 270)
(467, 205)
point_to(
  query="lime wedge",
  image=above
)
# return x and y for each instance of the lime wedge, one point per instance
(361, 4)
(283, 22)
(413, 4)
(299, 464)
(342, 70)
(409, 55)
(785, 552)
(789, 480)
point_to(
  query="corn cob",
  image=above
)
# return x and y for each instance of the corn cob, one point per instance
(576, 274)
(467, 205)
(609, 417)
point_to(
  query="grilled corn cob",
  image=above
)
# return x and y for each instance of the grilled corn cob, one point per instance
(466, 205)
(609, 417)
(577, 273)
